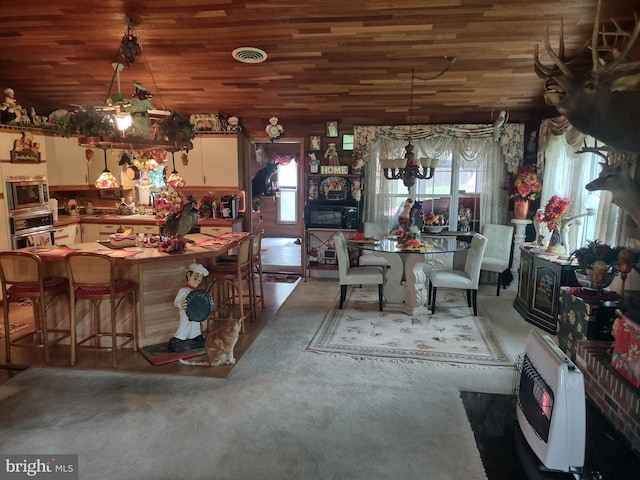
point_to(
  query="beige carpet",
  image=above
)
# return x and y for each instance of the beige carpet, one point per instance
(282, 413)
(452, 334)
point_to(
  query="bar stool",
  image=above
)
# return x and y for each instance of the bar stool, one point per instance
(92, 276)
(256, 265)
(22, 276)
(228, 279)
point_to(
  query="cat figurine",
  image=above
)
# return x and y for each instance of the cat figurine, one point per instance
(219, 346)
(261, 182)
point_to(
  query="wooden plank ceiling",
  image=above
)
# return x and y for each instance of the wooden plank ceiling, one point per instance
(327, 59)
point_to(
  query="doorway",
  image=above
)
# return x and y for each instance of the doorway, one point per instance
(278, 203)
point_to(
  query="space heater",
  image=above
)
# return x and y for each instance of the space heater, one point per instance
(550, 407)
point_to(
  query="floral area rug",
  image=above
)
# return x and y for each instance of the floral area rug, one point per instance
(451, 335)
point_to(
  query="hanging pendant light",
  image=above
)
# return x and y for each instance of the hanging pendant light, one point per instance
(106, 178)
(174, 179)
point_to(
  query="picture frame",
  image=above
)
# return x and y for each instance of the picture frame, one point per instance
(331, 128)
(315, 142)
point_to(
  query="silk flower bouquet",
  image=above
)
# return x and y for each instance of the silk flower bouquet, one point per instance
(554, 210)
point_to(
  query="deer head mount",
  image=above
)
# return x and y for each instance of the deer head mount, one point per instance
(614, 177)
(600, 102)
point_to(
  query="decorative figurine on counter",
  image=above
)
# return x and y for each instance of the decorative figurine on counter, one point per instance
(332, 155)
(274, 129)
(194, 306)
(10, 110)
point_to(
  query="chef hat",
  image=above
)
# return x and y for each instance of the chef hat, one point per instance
(196, 267)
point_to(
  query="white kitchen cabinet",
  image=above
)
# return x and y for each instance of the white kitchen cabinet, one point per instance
(213, 231)
(214, 161)
(66, 162)
(90, 232)
(67, 235)
(147, 229)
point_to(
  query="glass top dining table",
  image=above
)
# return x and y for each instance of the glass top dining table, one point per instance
(406, 269)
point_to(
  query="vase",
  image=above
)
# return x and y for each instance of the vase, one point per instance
(520, 208)
(556, 244)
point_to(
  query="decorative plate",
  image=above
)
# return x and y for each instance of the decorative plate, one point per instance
(199, 305)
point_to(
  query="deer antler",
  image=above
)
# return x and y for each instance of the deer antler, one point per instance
(596, 150)
(618, 53)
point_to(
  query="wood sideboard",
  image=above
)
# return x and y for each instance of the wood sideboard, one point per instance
(541, 275)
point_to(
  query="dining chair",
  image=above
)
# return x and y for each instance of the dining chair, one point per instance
(466, 279)
(368, 275)
(22, 276)
(498, 251)
(367, 257)
(93, 277)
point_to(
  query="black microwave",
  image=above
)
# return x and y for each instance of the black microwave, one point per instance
(332, 215)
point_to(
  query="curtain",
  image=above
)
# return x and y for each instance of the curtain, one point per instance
(566, 173)
(475, 144)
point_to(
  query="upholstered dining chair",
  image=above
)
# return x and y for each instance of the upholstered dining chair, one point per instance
(368, 275)
(498, 252)
(367, 258)
(22, 276)
(466, 279)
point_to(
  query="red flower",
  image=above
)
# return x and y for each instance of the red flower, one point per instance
(524, 184)
(554, 210)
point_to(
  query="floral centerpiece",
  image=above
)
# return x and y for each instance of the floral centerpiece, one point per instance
(524, 184)
(554, 210)
(206, 206)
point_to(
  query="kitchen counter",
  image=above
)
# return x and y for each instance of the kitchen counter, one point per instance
(159, 276)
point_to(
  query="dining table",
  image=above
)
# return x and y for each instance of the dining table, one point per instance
(406, 272)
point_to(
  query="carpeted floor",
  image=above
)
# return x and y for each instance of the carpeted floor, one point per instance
(281, 413)
(452, 334)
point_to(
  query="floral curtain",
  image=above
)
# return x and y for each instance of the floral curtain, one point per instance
(477, 144)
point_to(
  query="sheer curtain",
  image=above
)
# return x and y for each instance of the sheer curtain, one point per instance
(566, 173)
(471, 145)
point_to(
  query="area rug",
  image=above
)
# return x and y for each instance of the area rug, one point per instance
(160, 354)
(13, 328)
(451, 335)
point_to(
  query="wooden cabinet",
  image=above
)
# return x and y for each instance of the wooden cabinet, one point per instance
(213, 231)
(67, 163)
(92, 232)
(541, 276)
(67, 235)
(215, 161)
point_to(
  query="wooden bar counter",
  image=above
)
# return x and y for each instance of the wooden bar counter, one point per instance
(159, 276)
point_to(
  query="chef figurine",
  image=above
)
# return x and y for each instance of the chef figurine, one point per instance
(274, 129)
(332, 155)
(188, 335)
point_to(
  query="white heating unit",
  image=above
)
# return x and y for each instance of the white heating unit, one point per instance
(551, 404)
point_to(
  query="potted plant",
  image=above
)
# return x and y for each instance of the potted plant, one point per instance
(593, 252)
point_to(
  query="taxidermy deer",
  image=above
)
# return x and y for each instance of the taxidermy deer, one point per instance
(601, 102)
(615, 178)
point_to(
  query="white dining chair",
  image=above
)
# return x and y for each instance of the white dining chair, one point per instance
(369, 275)
(466, 279)
(367, 257)
(498, 252)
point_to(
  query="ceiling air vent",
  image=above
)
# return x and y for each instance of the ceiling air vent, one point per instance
(249, 55)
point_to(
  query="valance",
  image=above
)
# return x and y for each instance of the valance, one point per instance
(511, 140)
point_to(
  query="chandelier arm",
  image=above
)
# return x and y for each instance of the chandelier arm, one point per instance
(153, 79)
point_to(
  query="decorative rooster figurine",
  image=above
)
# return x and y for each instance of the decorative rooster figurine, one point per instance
(177, 225)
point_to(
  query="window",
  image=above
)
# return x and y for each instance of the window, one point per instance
(288, 201)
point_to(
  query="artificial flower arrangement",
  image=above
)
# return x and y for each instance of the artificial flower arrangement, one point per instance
(554, 210)
(597, 251)
(206, 207)
(525, 184)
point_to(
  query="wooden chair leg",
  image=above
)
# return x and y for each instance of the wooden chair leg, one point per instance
(434, 291)
(474, 296)
(343, 294)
